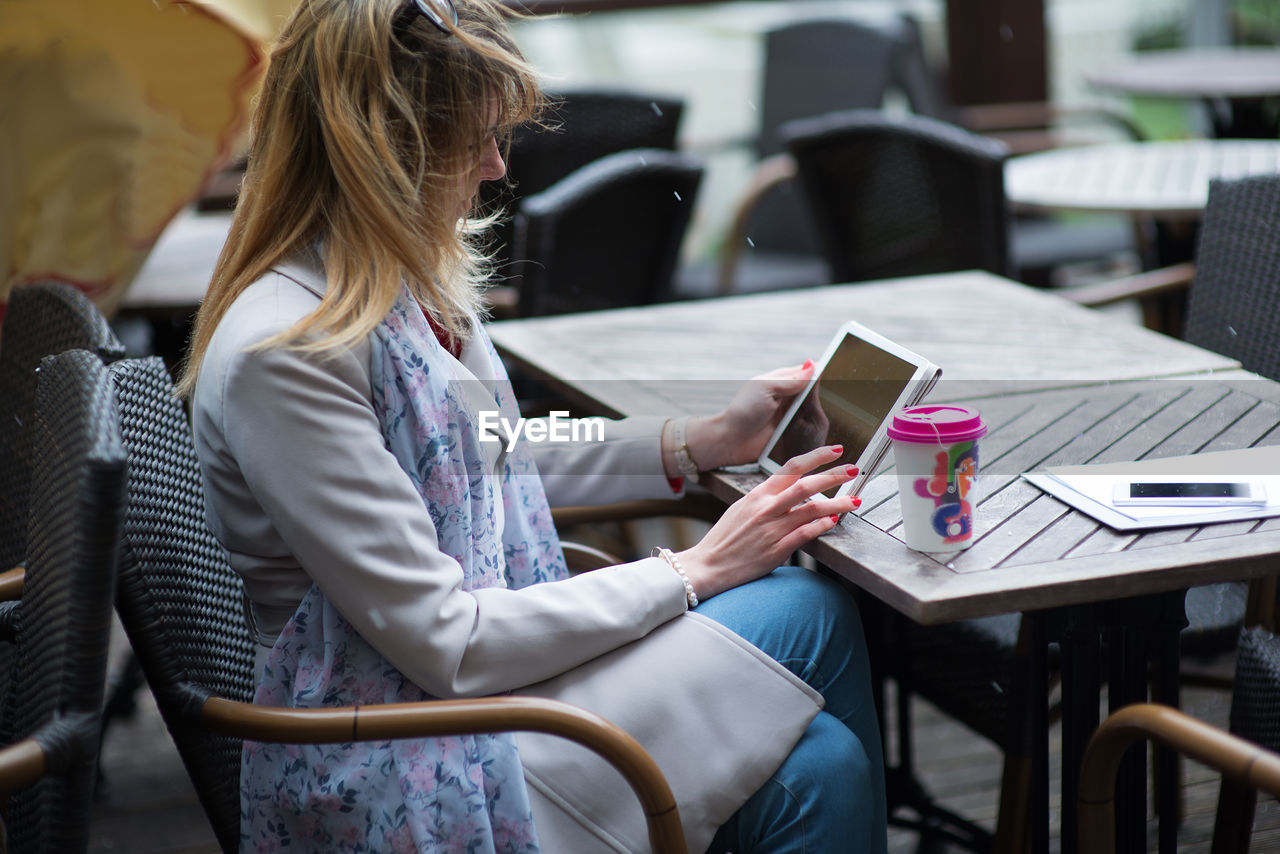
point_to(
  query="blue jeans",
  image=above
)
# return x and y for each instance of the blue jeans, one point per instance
(828, 794)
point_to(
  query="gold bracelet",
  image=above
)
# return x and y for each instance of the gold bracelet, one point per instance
(684, 460)
(674, 563)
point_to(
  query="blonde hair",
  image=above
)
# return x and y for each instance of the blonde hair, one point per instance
(368, 115)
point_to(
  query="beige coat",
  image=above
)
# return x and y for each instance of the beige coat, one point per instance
(300, 489)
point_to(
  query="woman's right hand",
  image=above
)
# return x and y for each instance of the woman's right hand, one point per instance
(766, 525)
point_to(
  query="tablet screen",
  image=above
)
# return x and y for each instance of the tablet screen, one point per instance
(858, 388)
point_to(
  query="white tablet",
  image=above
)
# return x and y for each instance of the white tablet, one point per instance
(861, 380)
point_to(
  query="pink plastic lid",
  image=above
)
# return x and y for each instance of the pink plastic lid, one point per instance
(936, 424)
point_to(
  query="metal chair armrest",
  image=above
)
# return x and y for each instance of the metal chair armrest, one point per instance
(1030, 126)
(695, 506)
(580, 557)
(1237, 759)
(21, 764)
(11, 584)
(464, 717)
(768, 174)
(1149, 288)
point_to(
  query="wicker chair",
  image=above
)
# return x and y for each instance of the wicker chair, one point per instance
(181, 605)
(608, 235)
(51, 720)
(810, 68)
(901, 195)
(42, 319)
(1248, 757)
(1039, 243)
(584, 125)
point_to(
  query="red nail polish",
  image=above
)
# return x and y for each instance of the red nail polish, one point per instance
(851, 470)
(835, 519)
(856, 502)
(837, 449)
(808, 363)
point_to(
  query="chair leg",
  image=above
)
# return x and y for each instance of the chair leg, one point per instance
(1234, 822)
(1013, 825)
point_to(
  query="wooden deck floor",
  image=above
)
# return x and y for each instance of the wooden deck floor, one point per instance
(147, 805)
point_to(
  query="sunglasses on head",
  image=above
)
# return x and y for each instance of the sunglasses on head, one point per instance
(442, 13)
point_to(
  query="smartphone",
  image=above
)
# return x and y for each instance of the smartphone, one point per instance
(1189, 494)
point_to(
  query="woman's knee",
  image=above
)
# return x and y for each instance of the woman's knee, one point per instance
(824, 797)
(830, 760)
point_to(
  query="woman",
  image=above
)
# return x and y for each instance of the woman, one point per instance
(392, 550)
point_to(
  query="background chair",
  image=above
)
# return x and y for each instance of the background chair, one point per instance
(181, 605)
(583, 125)
(1247, 757)
(43, 319)
(606, 236)
(816, 67)
(809, 68)
(901, 195)
(53, 703)
(1041, 245)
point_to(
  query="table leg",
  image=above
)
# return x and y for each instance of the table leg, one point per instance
(1166, 656)
(1127, 683)
(1143, 646)
(1081, 687)
(1038, 697)
(1244, 118)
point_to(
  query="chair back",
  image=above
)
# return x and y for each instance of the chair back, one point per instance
(64, 624)
(584, 125)
(811, 68)
(901, 195)
(1234, 303)
(180, 601)
(608, 235)
(42, 319)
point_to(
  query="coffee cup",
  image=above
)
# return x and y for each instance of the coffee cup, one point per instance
(935, 452)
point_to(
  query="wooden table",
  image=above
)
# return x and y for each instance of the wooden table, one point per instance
(1058, 384)
(1235, 82)
(176, 274)
(1166, 179)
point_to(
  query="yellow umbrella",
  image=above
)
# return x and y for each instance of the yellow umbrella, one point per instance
(114, 114)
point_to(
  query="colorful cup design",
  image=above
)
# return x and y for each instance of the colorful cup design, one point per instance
(936, 454)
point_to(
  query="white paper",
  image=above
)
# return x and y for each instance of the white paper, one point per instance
(1089, 488)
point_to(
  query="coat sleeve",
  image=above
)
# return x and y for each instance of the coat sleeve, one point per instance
(609, 461)
(302, 434)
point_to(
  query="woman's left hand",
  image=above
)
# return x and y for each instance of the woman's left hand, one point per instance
(738, 434)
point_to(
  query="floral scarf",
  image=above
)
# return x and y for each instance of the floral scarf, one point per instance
(459, 793)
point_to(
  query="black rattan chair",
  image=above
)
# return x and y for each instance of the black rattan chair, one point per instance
(583, 126)
(1233, 308)
(1039, 244)
(181, 605)
(810, 68)
(608, 235)
(1249, 757)
(901, 195)
(42, 319)
(53, 704)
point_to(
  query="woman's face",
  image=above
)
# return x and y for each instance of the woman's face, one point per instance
(489, 167)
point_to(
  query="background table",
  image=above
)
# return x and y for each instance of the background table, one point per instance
(1236, 83)
(1167, 179)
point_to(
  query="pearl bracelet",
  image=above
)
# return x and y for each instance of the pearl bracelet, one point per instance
(674, 563)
